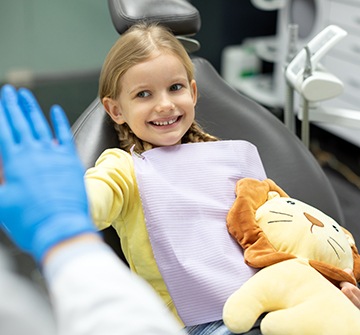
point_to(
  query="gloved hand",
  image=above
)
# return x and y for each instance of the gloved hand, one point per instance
(42, 197)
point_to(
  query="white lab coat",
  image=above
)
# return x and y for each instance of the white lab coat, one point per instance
(92, 292)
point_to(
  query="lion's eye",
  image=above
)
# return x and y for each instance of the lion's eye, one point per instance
(290, 202)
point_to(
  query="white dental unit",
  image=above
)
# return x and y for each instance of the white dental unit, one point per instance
(335, 70)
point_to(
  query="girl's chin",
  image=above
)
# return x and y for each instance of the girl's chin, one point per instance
(165, 140)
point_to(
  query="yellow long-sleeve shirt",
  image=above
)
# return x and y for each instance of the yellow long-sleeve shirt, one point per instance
(115, 200)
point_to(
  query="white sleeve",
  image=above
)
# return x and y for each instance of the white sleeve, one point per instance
(94, 293)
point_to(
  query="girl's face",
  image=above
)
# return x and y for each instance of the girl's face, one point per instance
(156, 100)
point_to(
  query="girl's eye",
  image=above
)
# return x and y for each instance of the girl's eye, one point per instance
(176, 87)
(143, 94)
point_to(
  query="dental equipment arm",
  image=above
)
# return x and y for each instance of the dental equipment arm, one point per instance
(306, 75)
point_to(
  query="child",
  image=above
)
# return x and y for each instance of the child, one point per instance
(169, 186)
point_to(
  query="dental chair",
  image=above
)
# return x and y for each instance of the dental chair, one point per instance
(221, 110)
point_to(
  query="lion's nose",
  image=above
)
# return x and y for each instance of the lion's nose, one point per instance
(314, 221)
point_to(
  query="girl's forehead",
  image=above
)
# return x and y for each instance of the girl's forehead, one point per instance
(164, 53)
(158, 62)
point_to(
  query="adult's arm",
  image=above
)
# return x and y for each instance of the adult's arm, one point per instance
(93, 293)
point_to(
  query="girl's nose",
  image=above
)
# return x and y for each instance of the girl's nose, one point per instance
(164, 104)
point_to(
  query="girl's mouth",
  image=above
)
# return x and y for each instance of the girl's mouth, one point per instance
(165, 123)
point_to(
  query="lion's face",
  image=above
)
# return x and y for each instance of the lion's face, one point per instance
(296, 228)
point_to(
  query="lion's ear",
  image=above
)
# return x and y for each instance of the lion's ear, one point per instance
(272, 195)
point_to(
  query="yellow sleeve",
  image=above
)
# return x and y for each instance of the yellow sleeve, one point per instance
(110, 186)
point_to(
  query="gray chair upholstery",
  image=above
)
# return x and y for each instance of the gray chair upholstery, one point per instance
(178, 15)
(226, 113)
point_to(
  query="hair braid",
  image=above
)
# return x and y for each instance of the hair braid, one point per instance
(197, 134)
(127, 139)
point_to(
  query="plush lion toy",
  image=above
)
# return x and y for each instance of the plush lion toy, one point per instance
(301, 254)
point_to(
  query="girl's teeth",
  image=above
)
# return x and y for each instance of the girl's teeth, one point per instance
(164, 123)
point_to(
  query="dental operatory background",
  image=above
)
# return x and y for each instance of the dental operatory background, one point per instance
(56, 48)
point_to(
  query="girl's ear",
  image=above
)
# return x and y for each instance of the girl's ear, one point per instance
(194, 92)
(113, 109)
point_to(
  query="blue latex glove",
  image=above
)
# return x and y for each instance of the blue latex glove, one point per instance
(42, 198)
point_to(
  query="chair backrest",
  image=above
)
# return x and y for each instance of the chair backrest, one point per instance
(226, 113)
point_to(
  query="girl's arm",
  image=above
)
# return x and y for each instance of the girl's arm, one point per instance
(110, 186)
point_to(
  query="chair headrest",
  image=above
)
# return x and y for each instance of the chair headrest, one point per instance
(178, 15)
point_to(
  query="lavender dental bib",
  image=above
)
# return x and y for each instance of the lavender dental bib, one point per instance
(186, 192)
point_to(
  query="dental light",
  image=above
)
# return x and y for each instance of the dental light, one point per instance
(306, 74)
(310, 79)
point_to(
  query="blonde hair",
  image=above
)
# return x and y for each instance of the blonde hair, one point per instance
(137, 45)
